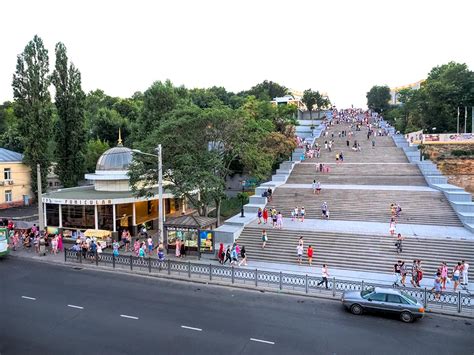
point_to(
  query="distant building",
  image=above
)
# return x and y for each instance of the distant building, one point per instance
(15, 182)
(394, 91)
(289, 100)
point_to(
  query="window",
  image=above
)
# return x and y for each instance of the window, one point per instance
(393, 298)
(7, 174)
(8, 196)
(379, 297)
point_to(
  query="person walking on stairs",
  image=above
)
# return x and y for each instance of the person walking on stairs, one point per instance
(243, 255)
(259, 215)
(310, 255)
(325, 210)
(325, 275)
(227, 255)
(299, 252)
(465, 274)
(279, 220)
(264, 238)
(403, 273)
(396, 270)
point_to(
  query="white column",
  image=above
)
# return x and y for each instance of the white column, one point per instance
(44, 214)
(60, 216)
(114, 217)
(134, 215)
(96, 217)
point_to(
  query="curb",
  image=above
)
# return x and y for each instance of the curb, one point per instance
(240, 286)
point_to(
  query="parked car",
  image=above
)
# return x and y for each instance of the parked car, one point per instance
(384, 300)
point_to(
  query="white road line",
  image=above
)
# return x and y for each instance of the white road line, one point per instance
(130, 317)
(263, 341)
(28, 298)
(191, 328)
(73, 306)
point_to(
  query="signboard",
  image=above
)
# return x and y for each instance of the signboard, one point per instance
(206, 241)
(76, 201)
(449, 138)
(414, 137)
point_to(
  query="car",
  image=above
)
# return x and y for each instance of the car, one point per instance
(384, 300)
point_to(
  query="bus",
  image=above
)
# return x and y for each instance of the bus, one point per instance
(4, 250)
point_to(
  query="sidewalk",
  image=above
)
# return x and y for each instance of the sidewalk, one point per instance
(349, 275)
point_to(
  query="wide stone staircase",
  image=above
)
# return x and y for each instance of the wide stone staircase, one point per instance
(418, 207)
(353, 251)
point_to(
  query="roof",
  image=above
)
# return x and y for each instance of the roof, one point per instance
(89, 193)
(10, 156)
(190, 221)
(117, 158)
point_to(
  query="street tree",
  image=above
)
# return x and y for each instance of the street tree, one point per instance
(33, 107)
(378, 98)
(309, 99)
(69, 130)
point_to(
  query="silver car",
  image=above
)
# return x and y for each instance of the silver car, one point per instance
(384, 300)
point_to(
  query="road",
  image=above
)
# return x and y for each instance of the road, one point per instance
(49, 309)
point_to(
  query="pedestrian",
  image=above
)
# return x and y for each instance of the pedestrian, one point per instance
(177, 251)
(392, 226)
(443, 274)
(243, 255)
(182, 250)
(325, 275)
(60, 242)
(221, 253)
(341, 157)
(348, 143)
(414, 274)
(465, 273)
(314, 186)
(115, 248)
(456, 274)
(136, 246)
(296, 213)
(310, 255)
(396, 269)
(141, 251)
(403, 273)
(259, 215)
(150, 244)
(265, 215)
(279, 220)
(299, 252)
(274, 217)
(264, 238)
(54, 245)
(437, 286)
(302, 213)
(325, 210)
(420, 272)
(228, 255)
(270, 194)
(234, 254)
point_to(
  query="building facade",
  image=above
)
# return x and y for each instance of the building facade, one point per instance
(394, 91)
(15, 181)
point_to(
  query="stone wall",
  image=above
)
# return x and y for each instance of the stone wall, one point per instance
(458, 170)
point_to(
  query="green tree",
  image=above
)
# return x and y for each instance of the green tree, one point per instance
(106, 125)
(69, 130)
(266, 91)
(378, 98)
(10, 137)
(33, 107)
(94, 149)
(309, 99)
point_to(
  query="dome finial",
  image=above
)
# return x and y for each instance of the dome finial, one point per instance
(119, 142)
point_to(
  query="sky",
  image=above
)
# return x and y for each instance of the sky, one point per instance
(342, 47)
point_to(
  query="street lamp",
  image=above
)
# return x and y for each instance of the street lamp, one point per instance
(160, 187)
(242, 199)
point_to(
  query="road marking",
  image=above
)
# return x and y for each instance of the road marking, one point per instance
(130, 317)
(28, 298)
(263, 341)
(191, 328)
(73, 306)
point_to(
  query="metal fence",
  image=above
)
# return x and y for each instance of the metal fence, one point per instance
(454, 302)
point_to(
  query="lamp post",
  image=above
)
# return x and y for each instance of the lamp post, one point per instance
(242, 199)
(160, 188)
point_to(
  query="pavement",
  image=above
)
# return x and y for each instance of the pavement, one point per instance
(47, 309)
(341, 274)
(361, 187)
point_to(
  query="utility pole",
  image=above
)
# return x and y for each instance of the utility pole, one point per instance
(465, 119)
(457, 127)
(40, 199)
(160, 194)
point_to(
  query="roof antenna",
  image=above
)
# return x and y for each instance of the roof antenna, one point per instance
(119, 142)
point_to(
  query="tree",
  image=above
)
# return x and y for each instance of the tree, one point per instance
(94, 149)
(106, 125)
(309, 99)
(321, 103)
(378, 98)
(69, 130)
(266, 91)
(33, 107)
(10, 138)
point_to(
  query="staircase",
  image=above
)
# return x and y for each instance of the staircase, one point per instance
(355, 252)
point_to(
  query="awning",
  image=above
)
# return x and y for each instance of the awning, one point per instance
(23, 224)
(97, 233)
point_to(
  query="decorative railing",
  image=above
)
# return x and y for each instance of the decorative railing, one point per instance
(447, 301)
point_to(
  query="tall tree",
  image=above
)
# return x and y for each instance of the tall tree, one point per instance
(378, 98)
(69, 131)
(266, 90)
(309, 99)
(322, 102)
(33, 106)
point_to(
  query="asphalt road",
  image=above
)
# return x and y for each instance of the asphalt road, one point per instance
(47, 309)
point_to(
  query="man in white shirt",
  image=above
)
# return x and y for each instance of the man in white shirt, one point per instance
(299, 251)
(465, 275)
(325, 275)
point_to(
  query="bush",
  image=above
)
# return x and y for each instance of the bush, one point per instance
(460, 153)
